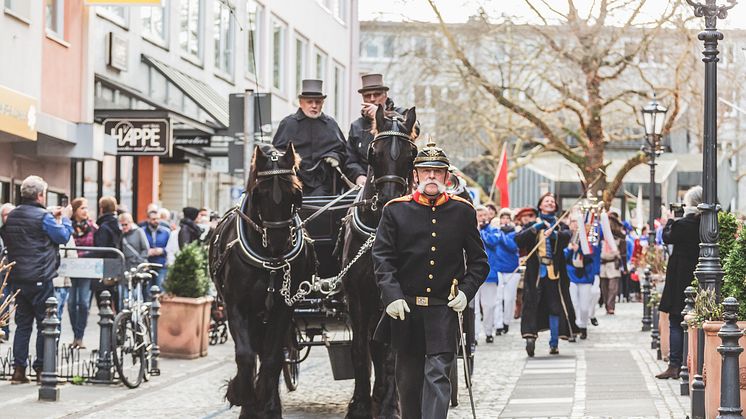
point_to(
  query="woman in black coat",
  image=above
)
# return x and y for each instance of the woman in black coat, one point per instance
(683, 234)
(546, 286)
(189, 231)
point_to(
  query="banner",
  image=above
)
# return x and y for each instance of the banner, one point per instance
(18, 113)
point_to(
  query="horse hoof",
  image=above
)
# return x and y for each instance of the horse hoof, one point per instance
(234, 395)
(358, 411)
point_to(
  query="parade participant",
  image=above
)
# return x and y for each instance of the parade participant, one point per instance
(373, 93)
(579, 257)
(524, 217)
(33, 234)
(487, 295)
(316, 138)
(507, 276)
(613, 255)
(546, 294)
(424, 242)
(683, 234)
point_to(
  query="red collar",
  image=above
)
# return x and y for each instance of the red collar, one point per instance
(424, 200)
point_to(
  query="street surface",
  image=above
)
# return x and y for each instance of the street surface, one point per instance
(610, 375)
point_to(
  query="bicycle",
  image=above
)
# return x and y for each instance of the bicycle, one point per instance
(132, 334)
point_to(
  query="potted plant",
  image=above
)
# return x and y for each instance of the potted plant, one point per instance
(185, 308)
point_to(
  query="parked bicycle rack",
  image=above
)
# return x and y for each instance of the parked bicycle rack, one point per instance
(98, 368)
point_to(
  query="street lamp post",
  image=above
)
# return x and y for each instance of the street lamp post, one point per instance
(653, 117)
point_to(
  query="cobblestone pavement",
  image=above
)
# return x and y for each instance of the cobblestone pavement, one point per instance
(610, 375)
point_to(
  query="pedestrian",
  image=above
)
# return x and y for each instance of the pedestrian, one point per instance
(525, 217)
(5, 209)
(135, 247)
(188, 229)
(316, 137)
(165, 219)
(158, 237)
(62, 284)
(487, 295)
(108, 235)
(373, 93)
(425, 242)
(546, 286)
(683, 234)
(32, 234)
(580, 270)
(79, 296)
(507, 269)
(613, 255)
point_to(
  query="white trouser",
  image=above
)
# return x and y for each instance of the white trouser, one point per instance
(477, 314)
(488, 301)
(595, 294)
(507, 288)
(582, 300)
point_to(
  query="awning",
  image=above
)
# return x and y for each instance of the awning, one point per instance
(205, 96)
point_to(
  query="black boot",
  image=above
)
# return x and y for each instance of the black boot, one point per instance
(490, 339)
(584, 333)
(671, 372)
(594, 321)
(19, 376)
(505, 328)
(553, 350)
(530, 347)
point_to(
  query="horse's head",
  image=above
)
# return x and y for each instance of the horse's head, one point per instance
(391, 153)
(275, 195)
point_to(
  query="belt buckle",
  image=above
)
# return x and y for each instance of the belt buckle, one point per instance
(421, 301)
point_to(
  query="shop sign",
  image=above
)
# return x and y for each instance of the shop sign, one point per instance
(193, 141)
(140, 137)
(117, 52)
(17, 114)
(124, 2)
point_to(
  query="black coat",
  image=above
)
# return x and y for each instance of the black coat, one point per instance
(108, 234)
(188, 232)
(542, 296)
(313, 139)
(683, 234)
(358, 142)
(414, 256)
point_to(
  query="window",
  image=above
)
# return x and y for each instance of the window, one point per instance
(223, 35)
(256, 19)
(339, 92)
(279, 31)
(18, 8)
(190, 33)
(55, 17)
(320, 65)
(340, 10)
(377, 46)
(301, 60)
(116, 14)
(154, 23)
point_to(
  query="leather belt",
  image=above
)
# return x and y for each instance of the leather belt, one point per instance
(425, 301)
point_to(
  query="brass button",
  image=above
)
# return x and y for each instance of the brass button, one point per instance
(432, 262)
(433, 208)
(430, 276)
(428, 289)
(432, 248)
(434, 234)
(433, 220)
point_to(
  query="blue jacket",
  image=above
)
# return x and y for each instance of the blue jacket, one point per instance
(591, 266)
(502, 251)
(159, 238)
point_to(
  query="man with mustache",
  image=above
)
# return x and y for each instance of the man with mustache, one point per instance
(421, 245)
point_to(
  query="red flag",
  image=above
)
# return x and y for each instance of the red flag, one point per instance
(501, 179)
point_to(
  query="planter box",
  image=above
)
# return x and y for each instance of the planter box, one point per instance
(664, 334)
(183, 327)
(713, 365)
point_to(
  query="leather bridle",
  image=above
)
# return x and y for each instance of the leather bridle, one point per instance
(393, 135)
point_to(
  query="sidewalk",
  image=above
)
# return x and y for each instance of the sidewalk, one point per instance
(608, 375)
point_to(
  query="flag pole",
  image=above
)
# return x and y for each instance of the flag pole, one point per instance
(497, 172)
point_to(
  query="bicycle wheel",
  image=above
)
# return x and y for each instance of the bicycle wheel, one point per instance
(147, 335)
(128, 350)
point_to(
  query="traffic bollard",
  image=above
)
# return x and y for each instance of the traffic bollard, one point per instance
(654, 331)
(698, 384)
(646, 318)
(48, 390)
(730, 349)
(104, 372)
(155, 313)
(689, 306)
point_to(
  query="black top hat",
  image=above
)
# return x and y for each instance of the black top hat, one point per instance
(432, 156)
(312, 89)
(373, 82)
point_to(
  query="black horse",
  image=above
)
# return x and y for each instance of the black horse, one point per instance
(390, 156)
(258, 259)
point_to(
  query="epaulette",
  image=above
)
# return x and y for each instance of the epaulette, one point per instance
(405, 198)
(460, 199)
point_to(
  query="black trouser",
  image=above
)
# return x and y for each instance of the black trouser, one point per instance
(424, 384)
(30, 307)
(676, 339)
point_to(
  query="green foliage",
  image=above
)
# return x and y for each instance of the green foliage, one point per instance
(188, 276)
(78, 380)
(655, 299)
(728, 229)
(706, 308)
(734, 281)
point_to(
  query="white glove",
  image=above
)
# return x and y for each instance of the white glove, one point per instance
(458, 304)
(397, 309)
(332, 161)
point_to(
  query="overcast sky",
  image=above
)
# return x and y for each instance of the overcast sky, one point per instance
(460, 10)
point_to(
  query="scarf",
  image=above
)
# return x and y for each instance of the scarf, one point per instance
(81, 227)
(546, 267)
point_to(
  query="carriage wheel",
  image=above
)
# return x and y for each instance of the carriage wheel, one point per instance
(291, 368)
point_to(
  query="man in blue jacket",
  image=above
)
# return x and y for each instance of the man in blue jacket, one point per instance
(582, 269)
(157, 239)
(507, 266)
(33, 234)
(487, 294)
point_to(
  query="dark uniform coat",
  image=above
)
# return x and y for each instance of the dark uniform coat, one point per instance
(358, 142)
(313, 139)
(543, 296)
(683, 234)
(418, 251)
